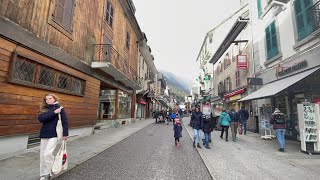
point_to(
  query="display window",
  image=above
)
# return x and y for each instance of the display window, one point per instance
(124, 105)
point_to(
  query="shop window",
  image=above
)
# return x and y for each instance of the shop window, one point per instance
(107, 104)
(109, 14)
(124, 104)
(303, 21)
(63, 13)
(271, 39)
(30, 73)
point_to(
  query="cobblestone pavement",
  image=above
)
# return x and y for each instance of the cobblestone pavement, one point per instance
(148, 154)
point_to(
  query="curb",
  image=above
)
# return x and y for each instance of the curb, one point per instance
(209, 166)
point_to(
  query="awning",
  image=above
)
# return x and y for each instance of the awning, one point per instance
(239, 91)
(232, 35)
(163, 103)
(275, 87)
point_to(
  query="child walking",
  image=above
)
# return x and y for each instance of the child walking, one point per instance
(177, 131)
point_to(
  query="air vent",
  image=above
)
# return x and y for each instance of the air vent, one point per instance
(33, 141)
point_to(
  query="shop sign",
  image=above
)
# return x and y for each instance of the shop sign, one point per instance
(287, 70)
(236, 97)
(242, 61)
(254, 81)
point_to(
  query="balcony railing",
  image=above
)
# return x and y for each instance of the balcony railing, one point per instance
(314, 16)
(106, 53)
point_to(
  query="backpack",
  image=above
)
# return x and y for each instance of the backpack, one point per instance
(279, 119)
(233, 115)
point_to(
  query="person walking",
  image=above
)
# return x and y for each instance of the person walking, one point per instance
(180, 113)
(207, 128)
(48, 116)
(173, 116)
(197, 125)
(244, 115)
(177, 128)
(224, 121)
(234, 123)
(279, 125)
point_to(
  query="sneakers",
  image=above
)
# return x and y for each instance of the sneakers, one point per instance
(208, 147)
(281, 149)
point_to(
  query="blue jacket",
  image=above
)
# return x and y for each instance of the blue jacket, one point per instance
(224, 119)
(49, 122)
(173, 116)
(196, 120)
(177, 130)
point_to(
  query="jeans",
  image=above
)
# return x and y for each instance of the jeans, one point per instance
(244, 126)
(234, 128)
(196, 135)
(280, 133)
(224, 128)
(209, 136)
(47, 147)
(206, 139)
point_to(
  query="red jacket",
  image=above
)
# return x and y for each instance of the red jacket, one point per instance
(277, 125)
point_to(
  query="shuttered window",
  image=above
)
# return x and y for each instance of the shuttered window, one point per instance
(63, 13)
(259, 8)
(109, 13)
(128, 41)
(237, 78)
(303, 21)
(271, 39)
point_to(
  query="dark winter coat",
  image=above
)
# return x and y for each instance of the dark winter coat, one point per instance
(196, 120)
(207, 125)
(244, 115)
(234, 116)
(49, 122)
(278, 121)
(177, 130)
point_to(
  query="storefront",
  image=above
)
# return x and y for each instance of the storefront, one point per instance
(232, 98)
(114, 104)
(141, 107)
(286, 87)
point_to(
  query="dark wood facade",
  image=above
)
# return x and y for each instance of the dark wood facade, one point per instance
(35, 33)
(19, 104)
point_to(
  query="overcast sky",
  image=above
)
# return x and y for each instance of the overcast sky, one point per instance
(175, 30)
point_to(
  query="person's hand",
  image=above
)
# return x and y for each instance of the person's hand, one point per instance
(65, 138)
(58, 110)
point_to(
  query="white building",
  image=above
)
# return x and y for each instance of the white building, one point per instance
(286, 54)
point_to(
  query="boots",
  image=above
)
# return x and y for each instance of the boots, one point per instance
(198, 145)
(194, 143)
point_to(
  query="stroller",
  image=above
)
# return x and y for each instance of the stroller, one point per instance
(160, 118)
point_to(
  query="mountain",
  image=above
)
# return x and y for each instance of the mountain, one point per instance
(173, 79)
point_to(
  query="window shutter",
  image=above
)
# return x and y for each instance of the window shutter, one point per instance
(58, 12)
(303, 21)
(67, 15)
(259, 8)
(274, 42)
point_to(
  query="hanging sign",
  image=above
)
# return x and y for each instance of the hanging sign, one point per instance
(242, 61)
